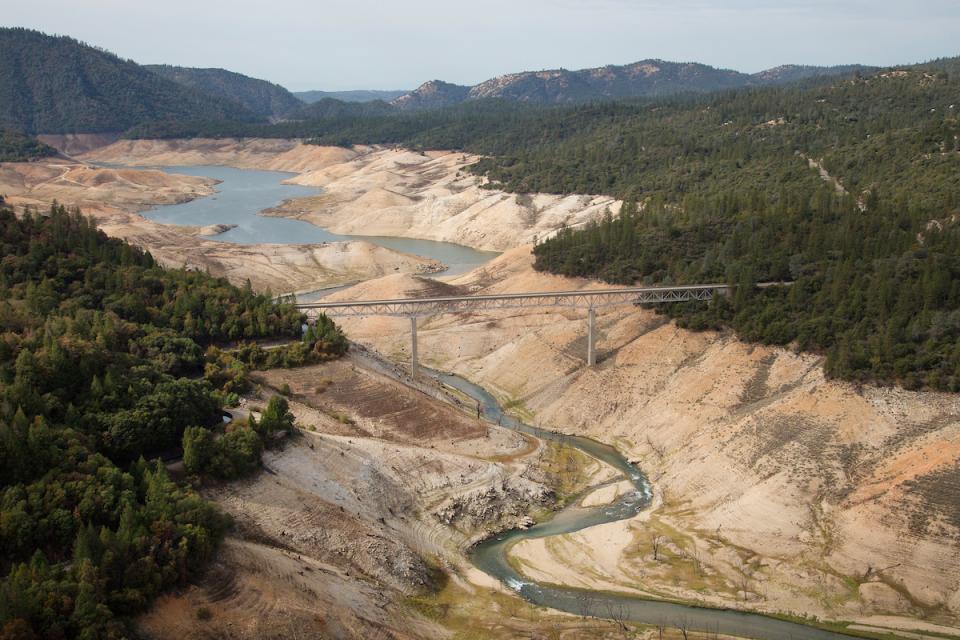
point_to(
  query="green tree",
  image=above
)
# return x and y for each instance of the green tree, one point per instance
(198, 449)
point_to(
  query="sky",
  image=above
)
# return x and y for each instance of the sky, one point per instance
(398, 44)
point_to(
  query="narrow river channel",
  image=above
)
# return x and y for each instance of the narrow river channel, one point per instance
(490, 556)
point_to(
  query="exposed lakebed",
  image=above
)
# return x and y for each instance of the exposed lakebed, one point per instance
(243, 193)
(491, 555)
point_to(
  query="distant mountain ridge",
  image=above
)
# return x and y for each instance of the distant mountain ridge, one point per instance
(259, 96)
(639, 79)
(796, 72)
(332, 108)
(55, 84)
(357, 95)
(58, 85)
(432, 94)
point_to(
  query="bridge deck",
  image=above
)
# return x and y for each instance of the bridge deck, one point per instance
(587, 299)
(591, 300)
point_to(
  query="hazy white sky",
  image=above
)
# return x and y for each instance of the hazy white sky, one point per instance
(387, 44)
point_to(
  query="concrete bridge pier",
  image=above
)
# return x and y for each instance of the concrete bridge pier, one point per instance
(591, 349)
(413, 346)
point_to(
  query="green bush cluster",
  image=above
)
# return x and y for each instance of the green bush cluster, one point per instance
(18, 147)
(236, 452)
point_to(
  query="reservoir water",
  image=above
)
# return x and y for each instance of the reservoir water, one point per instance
(243, 193)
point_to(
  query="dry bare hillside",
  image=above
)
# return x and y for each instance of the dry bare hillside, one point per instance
(268, 155)
(112, 196)
(343, 533)
(381, 192)
(777, 489)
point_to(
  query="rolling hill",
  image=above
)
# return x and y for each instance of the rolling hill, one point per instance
(259, 96)
(55, 84)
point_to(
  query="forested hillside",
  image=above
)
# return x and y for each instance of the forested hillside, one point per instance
(263, 98)
(106, 361)
(19, 147)
(58, 85)
(358, 95)
(331, 109)
(725, 191)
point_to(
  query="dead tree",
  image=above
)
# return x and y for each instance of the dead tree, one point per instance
(586, 602)
(617, 613)
(656, 541)
(657, 449)
(684, 629)
(693, 554)
(744, 578)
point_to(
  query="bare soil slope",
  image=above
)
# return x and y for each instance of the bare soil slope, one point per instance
(87, 186)
(112, 196)
(341, 534)
(381, 192)
(253, 153)
(777, 489)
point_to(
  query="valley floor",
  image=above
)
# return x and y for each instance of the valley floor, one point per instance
(357, 528)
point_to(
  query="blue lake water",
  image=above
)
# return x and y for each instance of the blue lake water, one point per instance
(243, 193)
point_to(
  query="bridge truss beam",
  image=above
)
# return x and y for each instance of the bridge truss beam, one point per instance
(408, 307)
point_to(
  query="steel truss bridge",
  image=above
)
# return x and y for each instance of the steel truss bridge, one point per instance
(590, 300)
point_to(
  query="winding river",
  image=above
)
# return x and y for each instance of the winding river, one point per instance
(243, 193)
(491, 555)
